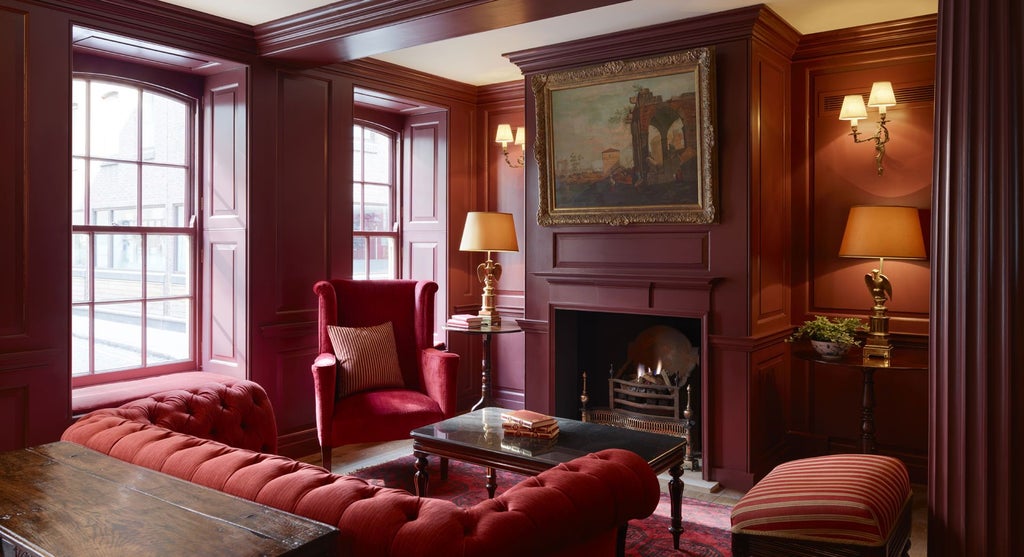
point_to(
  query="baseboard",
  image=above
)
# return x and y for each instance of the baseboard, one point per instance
(298, 444)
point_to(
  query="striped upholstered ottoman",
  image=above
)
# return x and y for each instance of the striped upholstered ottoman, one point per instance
(837, 505)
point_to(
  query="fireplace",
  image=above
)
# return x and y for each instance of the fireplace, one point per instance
(637, 350)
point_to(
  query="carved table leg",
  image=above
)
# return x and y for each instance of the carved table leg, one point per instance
(421, 474)
(675, 493)
(485, 376)
(867, 424)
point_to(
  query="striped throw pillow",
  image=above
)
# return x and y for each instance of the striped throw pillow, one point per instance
(367, 358)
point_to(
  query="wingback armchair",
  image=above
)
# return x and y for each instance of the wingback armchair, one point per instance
(429, 373)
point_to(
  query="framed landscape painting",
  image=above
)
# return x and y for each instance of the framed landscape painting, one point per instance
(628, 141)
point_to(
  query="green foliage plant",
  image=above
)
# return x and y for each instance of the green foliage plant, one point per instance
(839, 330)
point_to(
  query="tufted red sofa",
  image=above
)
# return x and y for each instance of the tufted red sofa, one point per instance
(223, 436)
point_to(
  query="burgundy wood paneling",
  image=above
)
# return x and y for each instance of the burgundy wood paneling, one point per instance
(640, 252)
(226, 160)
(425, 151)
(304, 141)
(14, 413)
(844, 175)
(425, 207)
(769, 378)
(225, 290)
(13, 164)
(605, 267)
(976, 390)
(35, 169)
(769, 190)
(831, 173)
(221, 320)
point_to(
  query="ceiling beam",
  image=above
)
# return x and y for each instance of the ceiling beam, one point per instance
(355, 29)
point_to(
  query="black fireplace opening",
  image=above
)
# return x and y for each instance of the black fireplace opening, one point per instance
(606, 345)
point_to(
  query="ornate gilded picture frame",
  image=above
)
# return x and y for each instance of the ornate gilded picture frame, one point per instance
(628, 141)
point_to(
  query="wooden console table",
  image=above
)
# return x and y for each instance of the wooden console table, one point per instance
(902, 359)
(64, 499)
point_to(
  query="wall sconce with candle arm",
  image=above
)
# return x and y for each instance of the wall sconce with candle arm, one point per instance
(504, 137)
(881, 97)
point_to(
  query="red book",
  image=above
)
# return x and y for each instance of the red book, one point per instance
(528, 419)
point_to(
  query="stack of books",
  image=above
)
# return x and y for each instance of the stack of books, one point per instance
(527, 423)
(466, 320)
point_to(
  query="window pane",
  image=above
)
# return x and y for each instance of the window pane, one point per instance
(117, 275)
(81, 342)
(114, 114)
(357, 153)
(359, 258)
(164, 129)
(80, 267)
(163, 190)
(132, 293)
(377, 157)
(113, 186)
(167, 265)
(77, 191)
(118, 332)
(167, 331)
(377, 207)
(382, 258)
(357, 207)
(79, 108)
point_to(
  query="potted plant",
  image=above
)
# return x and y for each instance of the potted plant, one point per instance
(831, 338)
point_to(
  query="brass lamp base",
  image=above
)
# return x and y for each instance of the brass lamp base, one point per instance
(489, 272)
(884, 352)
(877, 344)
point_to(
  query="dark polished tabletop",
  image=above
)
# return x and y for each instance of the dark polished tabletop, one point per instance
(506, 326)
(481, 430)
(903, 358)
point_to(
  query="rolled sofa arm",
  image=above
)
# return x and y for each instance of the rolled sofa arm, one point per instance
(572, 506)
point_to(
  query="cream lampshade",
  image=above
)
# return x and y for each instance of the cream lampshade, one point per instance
(489, 232)
(882, 96)
(853, 109)
(882, 232)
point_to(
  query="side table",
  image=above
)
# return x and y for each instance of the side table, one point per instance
(485, 332)
(902, 359)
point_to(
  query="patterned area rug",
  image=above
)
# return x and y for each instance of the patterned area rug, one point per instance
(705, 525)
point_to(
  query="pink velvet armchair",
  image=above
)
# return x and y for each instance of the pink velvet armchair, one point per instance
(429, 373)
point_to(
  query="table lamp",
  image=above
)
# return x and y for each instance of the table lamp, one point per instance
(883, 232)
(489, 232)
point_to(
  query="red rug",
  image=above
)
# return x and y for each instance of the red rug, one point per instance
(705, 525)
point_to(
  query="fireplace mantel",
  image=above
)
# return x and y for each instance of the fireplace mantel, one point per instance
(629, 279)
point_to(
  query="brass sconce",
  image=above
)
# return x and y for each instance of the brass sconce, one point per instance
(882, 232)
(881, 97)
(504, 136)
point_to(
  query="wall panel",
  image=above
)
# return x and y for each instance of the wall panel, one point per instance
(13, 162)
(225, 216)
(304, 139)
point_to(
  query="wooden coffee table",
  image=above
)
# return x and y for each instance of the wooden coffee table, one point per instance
(65, 499)
(477, 438)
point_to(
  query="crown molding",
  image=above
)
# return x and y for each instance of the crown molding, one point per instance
(694, 32)
(900, 33)
(163, 23)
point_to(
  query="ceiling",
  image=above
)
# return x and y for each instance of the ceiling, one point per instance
(479, 56)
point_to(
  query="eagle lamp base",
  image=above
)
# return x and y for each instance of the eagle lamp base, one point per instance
(877, 344)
